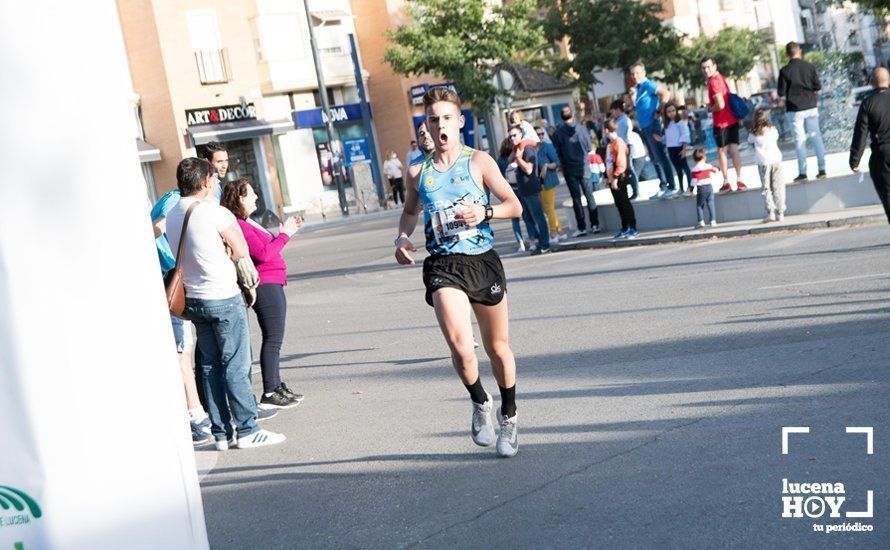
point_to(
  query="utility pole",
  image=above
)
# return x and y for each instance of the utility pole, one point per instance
(326, 114)
(366, 119)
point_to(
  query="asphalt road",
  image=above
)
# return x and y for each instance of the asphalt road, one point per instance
(653, 384)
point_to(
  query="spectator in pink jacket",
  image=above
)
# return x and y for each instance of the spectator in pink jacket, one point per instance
(271, 303)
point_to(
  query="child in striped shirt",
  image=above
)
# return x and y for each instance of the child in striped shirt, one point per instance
(703, 189)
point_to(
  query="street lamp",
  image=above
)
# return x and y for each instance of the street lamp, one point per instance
(326, 112)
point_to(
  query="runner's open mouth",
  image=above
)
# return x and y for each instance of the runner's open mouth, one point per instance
(443, 138)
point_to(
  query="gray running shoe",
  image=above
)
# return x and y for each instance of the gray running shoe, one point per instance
(508, 440)
(481, 426)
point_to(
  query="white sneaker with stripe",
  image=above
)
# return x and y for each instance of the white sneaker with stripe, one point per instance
(260, 438)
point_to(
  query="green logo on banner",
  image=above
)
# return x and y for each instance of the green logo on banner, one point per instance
(16, 507)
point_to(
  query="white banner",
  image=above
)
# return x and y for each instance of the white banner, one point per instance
(94, 444)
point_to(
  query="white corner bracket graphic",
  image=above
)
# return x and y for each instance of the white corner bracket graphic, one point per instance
(791, 430)
(869, 496)
(869, 436)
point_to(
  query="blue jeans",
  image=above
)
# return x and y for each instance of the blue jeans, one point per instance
(681, 166)
(704, 197)
(659, 158)
(517, 230)
(224, 342)
(805, 125)
(533, 214)
(578, 184)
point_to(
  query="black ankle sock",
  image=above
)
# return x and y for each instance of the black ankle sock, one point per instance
(508, 401)
(477, 392)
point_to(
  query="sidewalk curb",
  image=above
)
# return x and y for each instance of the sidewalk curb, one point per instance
(727, 234)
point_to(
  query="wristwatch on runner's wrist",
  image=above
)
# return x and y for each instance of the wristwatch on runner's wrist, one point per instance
(489, 212)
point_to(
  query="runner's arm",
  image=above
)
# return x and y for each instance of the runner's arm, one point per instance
(495, 182)
(408, 220)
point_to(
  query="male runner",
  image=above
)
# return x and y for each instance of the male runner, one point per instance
(426, 142)
(463, 272)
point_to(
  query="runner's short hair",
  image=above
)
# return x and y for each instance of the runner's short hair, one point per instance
(212, 147)
(440, 93)
(191, 174)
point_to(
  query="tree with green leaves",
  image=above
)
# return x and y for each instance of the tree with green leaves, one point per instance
(735, 50)
(463, 41)
(607, 34)
(879, 7)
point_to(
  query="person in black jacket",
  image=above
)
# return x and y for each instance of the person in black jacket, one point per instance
(873, 120)
(572, 142)
(799, 85)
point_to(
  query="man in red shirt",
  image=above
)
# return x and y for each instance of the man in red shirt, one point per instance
(726, 125)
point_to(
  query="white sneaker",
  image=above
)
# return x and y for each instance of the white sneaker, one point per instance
(595, 229)
(532, 248)
(224, 444)
(521, 247)
(562, 237)
(700, 224)
(508, 440)
(481, 427)
(578, 233)
(713, 223)
(769, 218)
(260, 438)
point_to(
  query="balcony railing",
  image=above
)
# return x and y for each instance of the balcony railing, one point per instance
(213, 66)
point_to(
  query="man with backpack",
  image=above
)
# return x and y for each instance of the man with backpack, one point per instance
(726, 123)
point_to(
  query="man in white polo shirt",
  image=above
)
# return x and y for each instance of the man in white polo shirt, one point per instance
(215, 305)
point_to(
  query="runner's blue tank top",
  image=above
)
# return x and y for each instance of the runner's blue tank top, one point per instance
(439, 193)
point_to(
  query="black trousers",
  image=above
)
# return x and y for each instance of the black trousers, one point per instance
(879, 165)
(623, 204)
(398, 190)
(271, 311)
(577, 185)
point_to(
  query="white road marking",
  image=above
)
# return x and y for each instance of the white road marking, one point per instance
(819, 282)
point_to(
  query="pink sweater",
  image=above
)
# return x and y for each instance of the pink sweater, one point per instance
(265, 251)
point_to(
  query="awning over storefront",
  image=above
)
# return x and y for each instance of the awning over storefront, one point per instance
(241, 129)
(147, 151)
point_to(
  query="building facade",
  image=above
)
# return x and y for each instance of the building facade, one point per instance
(239, 72)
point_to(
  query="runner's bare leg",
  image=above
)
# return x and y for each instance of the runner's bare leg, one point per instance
(494, 324)
(453, 313)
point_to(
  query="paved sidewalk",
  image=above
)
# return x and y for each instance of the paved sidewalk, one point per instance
(850, 216)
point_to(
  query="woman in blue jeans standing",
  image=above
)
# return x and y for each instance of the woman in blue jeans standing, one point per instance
(524, 161)
(503, 160)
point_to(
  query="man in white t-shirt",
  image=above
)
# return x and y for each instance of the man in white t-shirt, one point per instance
(215, 305)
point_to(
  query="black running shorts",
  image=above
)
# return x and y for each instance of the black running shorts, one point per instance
(481, 277)
(726, 135)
